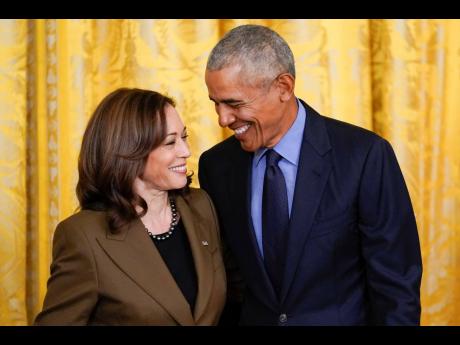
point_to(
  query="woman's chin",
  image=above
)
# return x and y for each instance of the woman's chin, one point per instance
(178, 183)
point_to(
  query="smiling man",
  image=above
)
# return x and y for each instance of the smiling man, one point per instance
(315, 214)
(252, 109)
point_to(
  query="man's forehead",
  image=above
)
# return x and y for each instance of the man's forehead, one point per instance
(229, 74)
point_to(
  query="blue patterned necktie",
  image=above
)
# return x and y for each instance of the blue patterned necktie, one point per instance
(275, 219)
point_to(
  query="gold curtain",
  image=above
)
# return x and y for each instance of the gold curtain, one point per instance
(400, 78)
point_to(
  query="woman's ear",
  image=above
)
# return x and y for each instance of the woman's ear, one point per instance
(286, 83)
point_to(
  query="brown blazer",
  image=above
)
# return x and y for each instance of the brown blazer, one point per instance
(101, 278)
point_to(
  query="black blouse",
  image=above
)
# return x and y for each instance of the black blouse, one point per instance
(177, 255)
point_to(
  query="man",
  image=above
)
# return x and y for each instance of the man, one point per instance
(314, 212)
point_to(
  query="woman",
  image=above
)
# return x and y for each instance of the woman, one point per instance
(145, 248)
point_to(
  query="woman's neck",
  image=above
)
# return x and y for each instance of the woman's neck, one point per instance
(157, 219)
(157, 201)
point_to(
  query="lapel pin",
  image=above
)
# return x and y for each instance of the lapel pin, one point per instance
(205, 243)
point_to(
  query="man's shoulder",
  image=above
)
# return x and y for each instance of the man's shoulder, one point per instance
(347, 128)
(338, 129)
(229, 146)
(345, 133)
(353, 143)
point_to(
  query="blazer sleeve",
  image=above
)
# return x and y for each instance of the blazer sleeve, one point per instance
(72, 286)
(390, 242)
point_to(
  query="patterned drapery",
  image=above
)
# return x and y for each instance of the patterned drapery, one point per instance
(399, 78)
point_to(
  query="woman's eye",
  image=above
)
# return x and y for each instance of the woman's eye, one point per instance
(171, 143)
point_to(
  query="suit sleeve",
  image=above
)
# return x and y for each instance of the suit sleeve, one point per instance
(390, 243)
(72, 287)
(202, 174)
(235, 283)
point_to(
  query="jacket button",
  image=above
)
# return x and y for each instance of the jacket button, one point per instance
(283, 318)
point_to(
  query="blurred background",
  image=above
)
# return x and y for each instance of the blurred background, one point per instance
(399, 78)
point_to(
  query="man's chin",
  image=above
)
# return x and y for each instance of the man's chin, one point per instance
(248, 148)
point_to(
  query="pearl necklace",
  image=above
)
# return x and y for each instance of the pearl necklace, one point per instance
(172, 227)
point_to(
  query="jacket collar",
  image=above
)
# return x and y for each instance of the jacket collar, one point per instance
(315, 164)
(133, 251)
(312, 174)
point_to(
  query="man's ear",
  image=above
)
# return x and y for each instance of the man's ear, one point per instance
(286, 83)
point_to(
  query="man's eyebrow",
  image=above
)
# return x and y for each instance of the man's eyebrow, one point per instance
(227, 100)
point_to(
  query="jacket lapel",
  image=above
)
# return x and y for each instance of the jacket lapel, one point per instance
(199, 243)
(240, 191)
(313, 171)
(134, 253)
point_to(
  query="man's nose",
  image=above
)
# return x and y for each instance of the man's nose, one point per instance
(226, 116)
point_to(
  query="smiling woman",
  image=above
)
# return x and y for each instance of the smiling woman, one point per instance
(135, 254)
(165, 167)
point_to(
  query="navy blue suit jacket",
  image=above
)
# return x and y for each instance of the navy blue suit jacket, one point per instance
(353, 248)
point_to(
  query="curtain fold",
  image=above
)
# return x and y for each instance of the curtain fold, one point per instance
(399, 78)
(13, 200)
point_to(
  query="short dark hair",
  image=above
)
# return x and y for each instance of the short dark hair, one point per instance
(125, 127)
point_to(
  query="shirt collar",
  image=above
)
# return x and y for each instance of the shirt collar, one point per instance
(289, 145)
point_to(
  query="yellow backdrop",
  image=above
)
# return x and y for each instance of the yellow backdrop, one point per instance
(400, 78)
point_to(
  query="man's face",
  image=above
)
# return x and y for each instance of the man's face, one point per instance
(253, 113)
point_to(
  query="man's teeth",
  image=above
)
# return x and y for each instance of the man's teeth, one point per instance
(241, 130)
(181, 168)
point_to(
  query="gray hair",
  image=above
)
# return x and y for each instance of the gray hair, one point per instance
(261, 52)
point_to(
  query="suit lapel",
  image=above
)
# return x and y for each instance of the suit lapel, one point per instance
(313, 171)
(134, 253)
(201, 255)
(240, 192)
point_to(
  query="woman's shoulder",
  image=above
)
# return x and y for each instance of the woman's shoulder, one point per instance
(199, 202)
(84, 221)
(201, 208)
(197, 196)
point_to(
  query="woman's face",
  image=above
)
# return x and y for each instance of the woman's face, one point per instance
(166, 165)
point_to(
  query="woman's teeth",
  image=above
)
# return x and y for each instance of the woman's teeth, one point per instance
(180, 168)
